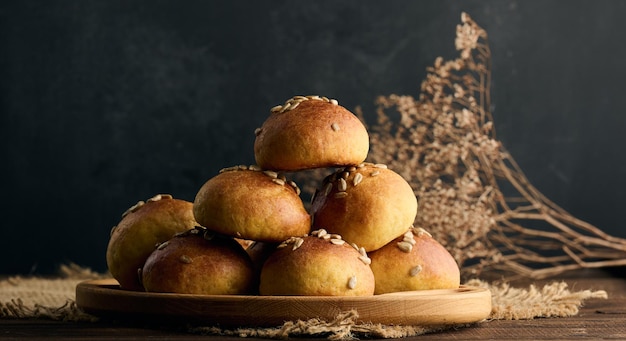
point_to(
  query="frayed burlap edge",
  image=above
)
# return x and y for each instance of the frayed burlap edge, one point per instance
(46, 298)
(343, 327)
(508, 303)
(552, 300)
(54, 298)
(68, 311)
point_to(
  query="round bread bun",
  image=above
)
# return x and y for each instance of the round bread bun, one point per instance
(310, 132)
(199, 262)
(368, 204)
(142, 227)
(248, 203)
(317, 265)
(414, 261)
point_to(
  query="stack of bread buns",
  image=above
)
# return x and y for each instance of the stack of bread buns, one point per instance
(248, 231)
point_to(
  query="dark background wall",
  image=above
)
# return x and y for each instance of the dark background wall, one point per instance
(104, 103)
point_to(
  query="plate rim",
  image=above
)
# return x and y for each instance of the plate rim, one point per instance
(104, 298)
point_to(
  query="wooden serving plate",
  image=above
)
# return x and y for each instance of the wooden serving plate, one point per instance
(104, 298)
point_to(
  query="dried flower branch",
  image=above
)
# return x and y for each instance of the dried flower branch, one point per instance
(444, 144)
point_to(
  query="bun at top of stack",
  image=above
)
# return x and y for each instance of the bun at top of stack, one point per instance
(310, 132)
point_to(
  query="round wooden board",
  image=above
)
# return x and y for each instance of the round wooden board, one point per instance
(104, 298)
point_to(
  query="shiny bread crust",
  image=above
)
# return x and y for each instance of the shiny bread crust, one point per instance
(252, 204)
(199, 262)
(310, 132)
(317, 265)
(414, 261)
(367, 204)
(142, 227)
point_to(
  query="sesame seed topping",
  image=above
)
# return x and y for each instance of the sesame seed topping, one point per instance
(337, 241)
(420, 232)
(271, 174)
(404, 246)
(185, 259)
(342, 185)
(409, 240)
(340, 195)
(162, 245)
(286, 107)
(352, 282)
(365, 259)
(279, 181)
(295, 187)
(319, 233)
(295, 101)
(358, 177)
(415, 270)
(133, 208)
(297, 243)
(335, 126)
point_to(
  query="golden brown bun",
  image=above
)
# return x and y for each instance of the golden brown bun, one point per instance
(367, 204)
(317, 265)
(310, 132)
(141, 228)
(251, 204)
(415, 261)
(199, 262)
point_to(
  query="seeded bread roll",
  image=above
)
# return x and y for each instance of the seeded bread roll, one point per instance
(368, 204)
(317, 265)
(199, 262)
(141, 228)
(310, 132)
(247, 203)
(414, 261)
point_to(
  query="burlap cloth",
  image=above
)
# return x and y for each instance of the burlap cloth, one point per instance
(54, 298)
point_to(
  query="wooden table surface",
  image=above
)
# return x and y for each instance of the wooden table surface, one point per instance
(603, 319)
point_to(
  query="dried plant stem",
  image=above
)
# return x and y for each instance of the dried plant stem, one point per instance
(473, 196)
